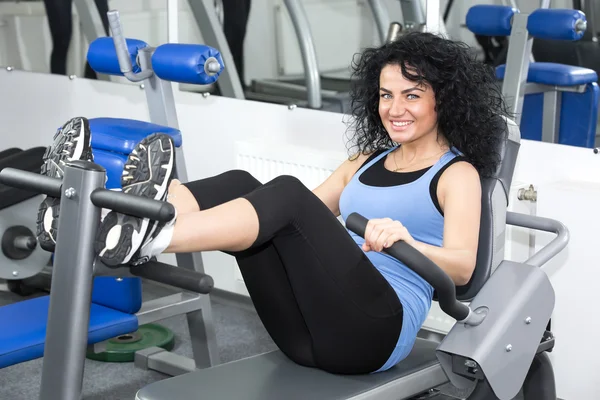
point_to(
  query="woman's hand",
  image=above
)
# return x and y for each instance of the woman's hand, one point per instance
(383, 233)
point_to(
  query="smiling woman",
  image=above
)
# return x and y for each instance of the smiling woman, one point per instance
(427, 124)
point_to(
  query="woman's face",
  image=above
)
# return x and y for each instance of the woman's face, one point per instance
(406, 109)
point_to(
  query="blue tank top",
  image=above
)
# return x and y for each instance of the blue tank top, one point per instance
(411, 204)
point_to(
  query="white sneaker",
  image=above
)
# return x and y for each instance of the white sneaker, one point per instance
(147, 173)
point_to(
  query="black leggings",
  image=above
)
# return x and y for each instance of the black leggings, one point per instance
(235, 22)
(60, 21)
(320, 298)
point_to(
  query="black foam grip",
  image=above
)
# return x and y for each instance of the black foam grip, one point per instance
(174, 276)
(133, 205)
(31, 181)
(422, 265)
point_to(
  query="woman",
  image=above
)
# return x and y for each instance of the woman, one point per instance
(426, 128)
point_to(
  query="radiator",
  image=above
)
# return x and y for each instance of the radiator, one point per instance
(267, 161)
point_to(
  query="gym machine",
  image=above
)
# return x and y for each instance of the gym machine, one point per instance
(20, 256)
(551, 102)
(117, 307)
(497, 348)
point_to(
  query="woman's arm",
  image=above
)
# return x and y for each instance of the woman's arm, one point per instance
(459, 195)
(331, 189)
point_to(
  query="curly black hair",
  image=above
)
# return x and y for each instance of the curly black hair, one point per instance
(469, 103)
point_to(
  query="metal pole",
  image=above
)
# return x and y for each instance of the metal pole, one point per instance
(308, 50)
(172, 21)
(71, 290)
(382, 20)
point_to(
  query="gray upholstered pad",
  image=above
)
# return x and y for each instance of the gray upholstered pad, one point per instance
(272, 376)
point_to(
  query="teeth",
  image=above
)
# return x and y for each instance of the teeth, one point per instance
(401, 123)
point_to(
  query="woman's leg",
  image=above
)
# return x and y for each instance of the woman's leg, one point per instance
(352, 314)
(60, 23)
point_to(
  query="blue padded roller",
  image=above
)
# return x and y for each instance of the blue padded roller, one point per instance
(102, 55)
(122, 135)
(555, 24)
(121, 294)
(555, 74)
(490, 20)
(113, 163)
(185, 63)
(23, 335)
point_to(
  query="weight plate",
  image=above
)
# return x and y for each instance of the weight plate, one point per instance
(123, 348)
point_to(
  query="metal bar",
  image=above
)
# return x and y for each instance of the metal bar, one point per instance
(71, 291)
(172, 21)
(517, 66)
(432, 16)
(532, 88)
(174, 276)
(288, 89)
(159, 94)
(168, 306)
(31, 181)
(308, 51)
(551, 117)
(381, 17)
(158, 359)
(413, 14)
(541, 224)
(133, 205)
(206, 17)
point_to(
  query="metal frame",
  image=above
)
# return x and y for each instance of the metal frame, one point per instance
(197, 307)
(517, 66)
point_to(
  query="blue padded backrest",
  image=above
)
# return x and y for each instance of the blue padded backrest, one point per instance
(102, 55)
(578, 117)
(555, 24)
(490, 20)
(122, 294)
(184, 63)
(113, 163)
(121, 135)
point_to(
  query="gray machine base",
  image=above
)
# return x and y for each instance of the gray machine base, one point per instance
(273, 376)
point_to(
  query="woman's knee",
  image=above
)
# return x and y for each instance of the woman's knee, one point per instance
(242, 179)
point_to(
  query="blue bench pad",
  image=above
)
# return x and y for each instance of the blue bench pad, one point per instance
(122, 135)
(555, 74)
(24, 328)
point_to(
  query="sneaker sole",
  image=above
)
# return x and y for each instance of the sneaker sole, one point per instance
(120, 235)
(76, 131)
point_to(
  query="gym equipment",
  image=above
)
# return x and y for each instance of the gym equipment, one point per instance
(116, 302)
(498, 345)
(555, 103)
(20, 255)
(584, 52)
(313, 90)
(124, 347)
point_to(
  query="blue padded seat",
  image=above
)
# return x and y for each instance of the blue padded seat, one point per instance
(555, 74)
(113, 163)
(122, 135)
(578, 111)
(24, 331)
